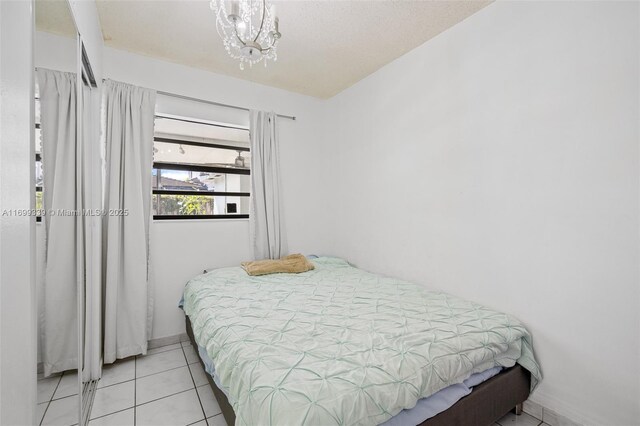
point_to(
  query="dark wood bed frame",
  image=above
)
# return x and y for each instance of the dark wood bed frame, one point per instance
(486, 404)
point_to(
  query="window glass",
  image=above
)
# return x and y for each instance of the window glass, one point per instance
(192, 161)
(38, 200)
(39, 177)
(183, 180)
(194, 205)
(188, 154)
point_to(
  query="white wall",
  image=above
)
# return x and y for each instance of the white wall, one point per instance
(511, 141)
(17, 233)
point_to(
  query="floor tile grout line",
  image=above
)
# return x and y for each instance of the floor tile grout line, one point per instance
(56, 389)
(163, 371)
(159, 352)
(195, 386)
(167, 396)
(206, 419)
(141, 377)
(53, 398)
(50, 399)
(63, 397)
(45, 413)
(115, 384)
(115, 412)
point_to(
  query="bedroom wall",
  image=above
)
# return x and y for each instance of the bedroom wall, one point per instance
(182, 249)
(509, 145)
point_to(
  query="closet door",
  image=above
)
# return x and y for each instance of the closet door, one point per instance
(68, 191)
(89, 290)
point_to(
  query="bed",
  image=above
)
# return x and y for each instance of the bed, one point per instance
(338, 345)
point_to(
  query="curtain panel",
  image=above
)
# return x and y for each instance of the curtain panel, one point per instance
(266, 219)
(64, 248)
(128, 120)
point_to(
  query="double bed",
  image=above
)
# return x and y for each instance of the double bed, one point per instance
(338, 345)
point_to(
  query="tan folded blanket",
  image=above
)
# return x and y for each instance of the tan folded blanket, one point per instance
(292, 264)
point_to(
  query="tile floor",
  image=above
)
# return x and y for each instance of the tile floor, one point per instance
(165, 387)
(523, 419)
(168, 386)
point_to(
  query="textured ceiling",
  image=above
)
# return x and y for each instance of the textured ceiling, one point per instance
(326, 46)
(54, 16)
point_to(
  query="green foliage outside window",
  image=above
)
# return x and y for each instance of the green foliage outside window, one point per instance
(183, 205)
(195, 204)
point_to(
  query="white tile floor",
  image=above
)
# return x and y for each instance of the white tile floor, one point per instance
(523, 419)
(165, 387)
(168, 386)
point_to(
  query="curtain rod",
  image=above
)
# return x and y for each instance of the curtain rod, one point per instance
(194, 120)
(204, 101)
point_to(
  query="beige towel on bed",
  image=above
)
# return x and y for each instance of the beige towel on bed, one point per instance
(292, 264)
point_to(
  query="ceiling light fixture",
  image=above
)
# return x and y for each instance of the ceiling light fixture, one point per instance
(249, 29)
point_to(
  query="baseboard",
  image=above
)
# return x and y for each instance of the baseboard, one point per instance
(547, 415)
(168, 340)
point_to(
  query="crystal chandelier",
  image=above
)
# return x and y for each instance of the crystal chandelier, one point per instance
(249, 29)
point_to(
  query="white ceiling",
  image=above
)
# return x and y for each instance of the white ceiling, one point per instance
(55, 17)
(326, 46)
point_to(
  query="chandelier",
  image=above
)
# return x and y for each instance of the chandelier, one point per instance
(249, 29)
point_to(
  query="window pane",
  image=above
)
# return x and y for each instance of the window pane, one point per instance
(231, 205)
(38, 141)
(38, 200)
(181, 180)
(182, 204)
(39, 177)
(37, 111)
(189, 154)
(187, 205)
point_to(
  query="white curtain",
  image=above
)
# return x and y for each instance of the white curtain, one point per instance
(64, 252)
(265, 217)
(128, 137)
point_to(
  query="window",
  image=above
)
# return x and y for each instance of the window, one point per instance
(201, 170)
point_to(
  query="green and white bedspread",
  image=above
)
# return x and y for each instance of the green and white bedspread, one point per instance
(341, 346)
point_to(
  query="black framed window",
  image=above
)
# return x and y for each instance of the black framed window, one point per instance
(205, 178)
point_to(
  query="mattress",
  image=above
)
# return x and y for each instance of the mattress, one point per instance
(338, 345)
(424, 409)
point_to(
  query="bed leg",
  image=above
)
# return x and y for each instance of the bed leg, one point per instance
(517, 410)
